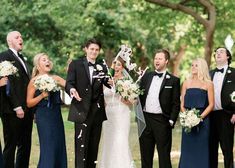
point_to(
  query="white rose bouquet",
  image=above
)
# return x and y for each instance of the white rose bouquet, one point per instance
(7, 68)
(128, 89)
(233, 96)
(46, 83)
(189, 119)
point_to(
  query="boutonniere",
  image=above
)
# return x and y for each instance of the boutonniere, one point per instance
(168, 76)
(99, 67)
(229, 71)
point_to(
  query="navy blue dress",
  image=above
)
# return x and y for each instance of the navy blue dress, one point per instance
(51, 132)
(195, 145)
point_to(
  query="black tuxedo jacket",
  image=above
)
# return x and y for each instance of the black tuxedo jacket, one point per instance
(227, 88)
(169, 95)
(18, 85)
(79, 78)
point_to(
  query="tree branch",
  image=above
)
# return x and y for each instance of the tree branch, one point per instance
(181, 8)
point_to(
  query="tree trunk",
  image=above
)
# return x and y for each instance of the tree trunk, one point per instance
(175, 61)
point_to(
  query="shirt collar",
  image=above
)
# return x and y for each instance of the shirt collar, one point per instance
(14, 51)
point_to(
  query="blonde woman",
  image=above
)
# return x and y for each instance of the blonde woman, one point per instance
(48, 116)
(197, 92)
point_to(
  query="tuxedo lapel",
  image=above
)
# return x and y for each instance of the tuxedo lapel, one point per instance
(149, 81)
(15, 58)
(85, 63)
(226, 76)
(212, 74)
(163, 82)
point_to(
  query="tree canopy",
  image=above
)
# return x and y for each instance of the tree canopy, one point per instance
(59, 28)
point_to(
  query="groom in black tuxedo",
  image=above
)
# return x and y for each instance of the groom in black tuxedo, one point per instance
(222, 119)
(17, 119)
(88, 99)
(161, 106)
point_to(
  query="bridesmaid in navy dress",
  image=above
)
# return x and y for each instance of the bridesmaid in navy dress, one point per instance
(3, 82)
(197, 92)
(48, 117)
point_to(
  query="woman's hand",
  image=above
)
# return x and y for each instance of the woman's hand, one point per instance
(3, 81)
(44, 94)
(127, 102)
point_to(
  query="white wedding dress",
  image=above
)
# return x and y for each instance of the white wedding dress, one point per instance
(115, 150)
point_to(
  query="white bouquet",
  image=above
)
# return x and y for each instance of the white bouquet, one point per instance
(128, 89)
(46, 83)
(7, 68)
(233, 96)
(189, 119)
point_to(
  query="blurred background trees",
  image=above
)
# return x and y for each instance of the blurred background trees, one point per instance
(60, 27)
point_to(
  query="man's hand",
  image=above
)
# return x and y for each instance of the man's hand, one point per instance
(232, 120)
(20, 113)
(74, 93)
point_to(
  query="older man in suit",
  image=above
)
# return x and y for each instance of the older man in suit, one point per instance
(16, 117)
(161, 106)
(88, 99)
(222, 119)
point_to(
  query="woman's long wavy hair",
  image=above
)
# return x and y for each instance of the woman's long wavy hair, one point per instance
(203, 70)
(36, 59)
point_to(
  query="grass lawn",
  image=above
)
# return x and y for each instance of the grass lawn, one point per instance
(69, 132)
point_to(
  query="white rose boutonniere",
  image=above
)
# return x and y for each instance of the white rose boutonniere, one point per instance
(99, 67)
(229, 71)
(233, 96)
(168, 76)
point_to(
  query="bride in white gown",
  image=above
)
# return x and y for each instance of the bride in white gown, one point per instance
(115, 147)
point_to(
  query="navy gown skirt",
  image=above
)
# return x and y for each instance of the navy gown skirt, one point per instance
(195, 145)
(51, 132)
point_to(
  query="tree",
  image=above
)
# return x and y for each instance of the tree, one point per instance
(197, 9)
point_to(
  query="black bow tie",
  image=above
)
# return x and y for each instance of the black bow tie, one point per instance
(91, 64)
(158, 74)
(20, 55)
(219, 70)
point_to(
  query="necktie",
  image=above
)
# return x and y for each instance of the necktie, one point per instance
(158, 74)
(91, 64)
(219, 70)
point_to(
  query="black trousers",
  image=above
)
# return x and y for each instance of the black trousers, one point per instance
(17, 134)
(158, 132)
(87, 138)
(221, 132)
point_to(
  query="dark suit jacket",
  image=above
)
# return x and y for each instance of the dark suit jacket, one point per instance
(169, 95)
(18, 85)
(227, 88)
(79, 78)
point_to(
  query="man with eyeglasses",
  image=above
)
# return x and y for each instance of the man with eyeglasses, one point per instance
(222, 119)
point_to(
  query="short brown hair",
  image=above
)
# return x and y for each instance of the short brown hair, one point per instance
(165, 52)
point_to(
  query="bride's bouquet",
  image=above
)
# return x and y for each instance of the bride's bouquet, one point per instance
(46, 83)
(128, 89)
(189, 119)
(7, 68)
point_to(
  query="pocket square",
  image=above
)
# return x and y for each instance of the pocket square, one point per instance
(229, 81)
(168, 87)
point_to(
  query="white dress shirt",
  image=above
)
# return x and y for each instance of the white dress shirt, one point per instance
(152, 104)
(218, 83)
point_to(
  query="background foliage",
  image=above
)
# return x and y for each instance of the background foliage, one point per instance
(60, 27)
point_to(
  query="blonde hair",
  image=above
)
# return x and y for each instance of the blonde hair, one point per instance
(36, 59)
(203, 70)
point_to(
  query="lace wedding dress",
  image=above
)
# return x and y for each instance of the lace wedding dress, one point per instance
(115, 151)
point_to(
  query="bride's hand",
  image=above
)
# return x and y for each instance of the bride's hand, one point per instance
(127, 102)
